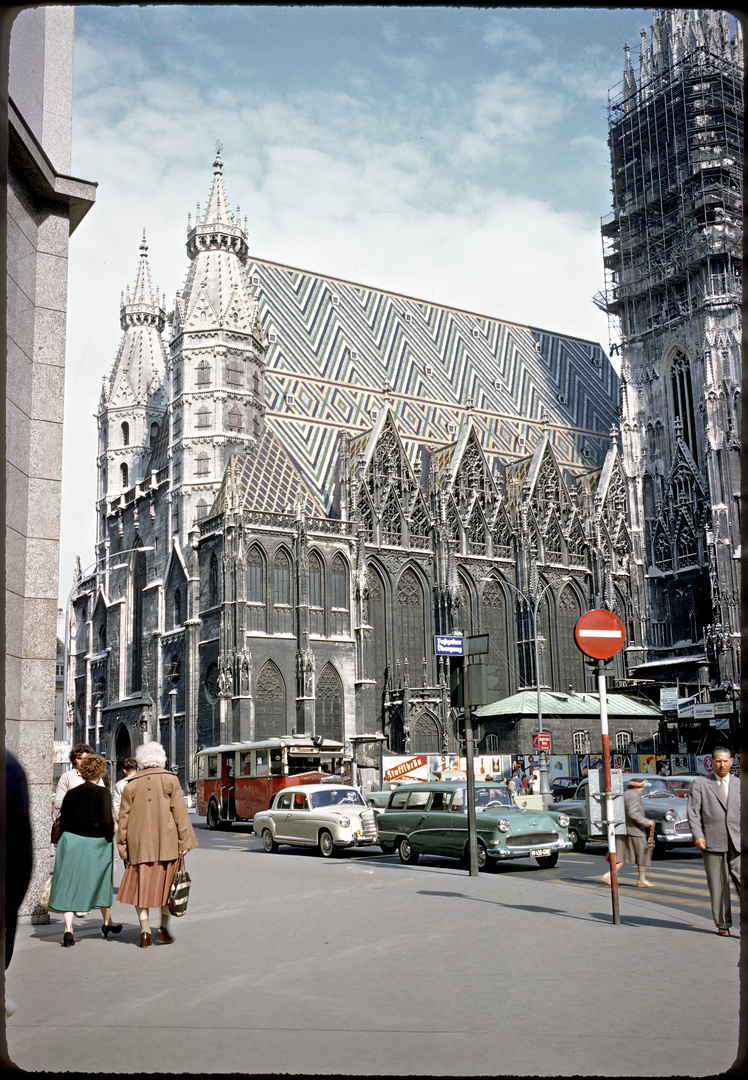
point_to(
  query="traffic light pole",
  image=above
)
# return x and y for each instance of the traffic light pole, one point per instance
(469, 757)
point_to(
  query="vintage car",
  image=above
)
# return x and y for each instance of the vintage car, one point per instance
(563, 787)
(682, 784)
(379, 799)
(661, 805)
(323, 816)
(431, 819)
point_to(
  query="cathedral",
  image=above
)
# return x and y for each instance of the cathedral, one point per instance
(301, 480)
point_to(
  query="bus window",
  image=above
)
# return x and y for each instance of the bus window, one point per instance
(262, 763)
(212, 760)
(230, 762)
(276, 763)
(245, 763)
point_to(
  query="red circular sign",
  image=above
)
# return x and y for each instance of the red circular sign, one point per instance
(600, 634)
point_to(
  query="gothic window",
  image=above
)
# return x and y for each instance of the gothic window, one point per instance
(255, 576)
(576, 544)
(201, 510)
(102, 638)
(154, 434)
(270, 703)
(316, 613)
(282, 579)
(411, 618)
(683, 406)
(123, 475)
(176, 427)
(378, 623)
(424, 737)
(202, 373)
(176, 470)
(366, 517)
(419, 524)
(570, 659)
(203, 417)
(453, 522)
(554, 545)
(235, 421)
(494, 623)
(175, 669)
(663, 550)
(234, 373)
(502, 542)
(476, 533)
(688, 550)
(177, 616)
(175, 516)
(214, 595)
(202, 465)
(328, 710)
(177, 379)
(137, 581)
(682, 614)
(339, 583)
(391, 522)
(125, 434)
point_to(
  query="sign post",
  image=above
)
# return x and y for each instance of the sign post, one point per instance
(600, 635)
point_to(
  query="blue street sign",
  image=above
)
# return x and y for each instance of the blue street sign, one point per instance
(448, 645)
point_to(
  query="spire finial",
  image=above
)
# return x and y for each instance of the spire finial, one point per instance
(218, 163)
(143, 247)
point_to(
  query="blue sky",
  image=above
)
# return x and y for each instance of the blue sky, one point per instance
(454, 154)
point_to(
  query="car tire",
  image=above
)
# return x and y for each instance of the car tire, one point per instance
(406, 853)
(547, 862)
(268, 844)
(212, 816)
(577, 843)
(482, 856)
(326, 845)
(388, 849)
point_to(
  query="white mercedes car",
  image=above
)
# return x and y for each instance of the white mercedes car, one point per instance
(323, 816)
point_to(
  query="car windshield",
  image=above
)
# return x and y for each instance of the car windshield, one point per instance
(487, 795)
(656, 788)
(335, 797)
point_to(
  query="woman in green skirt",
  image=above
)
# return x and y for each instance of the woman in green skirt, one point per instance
(83, 864)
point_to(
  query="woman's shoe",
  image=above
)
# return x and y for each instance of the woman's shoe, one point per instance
(110, 928)
(67, 940)
(145, 940)
(163, 936)
(645, 884)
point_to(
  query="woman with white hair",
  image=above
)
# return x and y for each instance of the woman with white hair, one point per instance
(154, 830)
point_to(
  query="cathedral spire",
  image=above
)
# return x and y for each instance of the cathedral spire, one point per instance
(217, 211)
(217, 228)
(142, 308)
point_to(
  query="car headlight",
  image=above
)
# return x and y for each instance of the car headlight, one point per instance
(503, 825)
(563, 820)
(345, 822)
(670, 815)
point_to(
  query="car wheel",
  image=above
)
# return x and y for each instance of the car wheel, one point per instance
(406, 853)
(370, 802)
(326, 846)
(268, 843)
(577, 843)
(388, 849)
(547, 862)
(482, 856)
(213, 817)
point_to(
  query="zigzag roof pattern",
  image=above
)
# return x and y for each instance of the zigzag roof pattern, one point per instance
(341, 350)
(265, 480)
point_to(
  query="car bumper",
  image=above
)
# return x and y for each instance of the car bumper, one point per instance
(524, 852)
(673, 838)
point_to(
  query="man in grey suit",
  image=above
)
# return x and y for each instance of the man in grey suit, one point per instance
(714, 818)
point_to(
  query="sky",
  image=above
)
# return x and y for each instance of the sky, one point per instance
(451, 154)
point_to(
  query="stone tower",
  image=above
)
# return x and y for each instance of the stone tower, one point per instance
(673, 256)
(133, 399)
(215, 367)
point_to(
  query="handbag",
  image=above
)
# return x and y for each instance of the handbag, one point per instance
(55, 835)
(46, 893)
(180, 889)
(651, 838)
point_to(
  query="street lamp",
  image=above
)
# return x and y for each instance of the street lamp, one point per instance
(84, 574)
(545, 790)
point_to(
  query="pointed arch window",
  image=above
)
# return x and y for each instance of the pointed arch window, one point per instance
(663, 551)
(202, 373)
(154, 434)
(255, 577)
(570, 659)
(494, 614)
(270, 703)
(425, 738)
(688, 549)
(213, 582)
(378, 622)
(683, 406)
(137, 579)
(125, 434)
(177, 612)
(203, 417)
(392, 531)
(124, 476)
(339, 583)
(315, 581)
(328, 710)
(476, 535)
(411, 618)
(282, 579)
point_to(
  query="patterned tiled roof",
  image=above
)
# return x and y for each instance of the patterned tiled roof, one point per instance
(338, 350)
(266, 480)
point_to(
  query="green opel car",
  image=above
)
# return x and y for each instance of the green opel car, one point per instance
(431, 819)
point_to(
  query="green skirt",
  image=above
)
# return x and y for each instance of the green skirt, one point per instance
(83, 873)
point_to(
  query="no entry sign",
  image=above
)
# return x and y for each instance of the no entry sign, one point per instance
(599, 634)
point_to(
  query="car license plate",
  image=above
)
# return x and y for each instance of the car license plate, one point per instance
(539, 852)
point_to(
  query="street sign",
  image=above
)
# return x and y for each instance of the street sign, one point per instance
(477, 644)
(600, 634)
(541, 740)
(449, 645)
(668, 697)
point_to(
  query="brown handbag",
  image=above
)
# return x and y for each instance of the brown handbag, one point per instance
(55, 831)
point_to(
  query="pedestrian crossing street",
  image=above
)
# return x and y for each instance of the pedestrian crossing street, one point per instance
(684, 886)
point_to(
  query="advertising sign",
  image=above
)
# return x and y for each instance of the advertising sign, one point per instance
(541, 740)
(668, 697)
(703, 711)
(406, 768)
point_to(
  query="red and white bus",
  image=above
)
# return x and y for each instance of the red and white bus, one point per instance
(237, 780)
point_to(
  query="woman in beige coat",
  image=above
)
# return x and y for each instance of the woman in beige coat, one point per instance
(154, 830)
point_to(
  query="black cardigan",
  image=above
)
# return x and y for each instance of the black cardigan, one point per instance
(87, 811)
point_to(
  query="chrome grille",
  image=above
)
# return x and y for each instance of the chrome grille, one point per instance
(536, 839)
(369, 823)
(682, 827)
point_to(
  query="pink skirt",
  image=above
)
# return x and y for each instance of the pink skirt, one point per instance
(147, 885)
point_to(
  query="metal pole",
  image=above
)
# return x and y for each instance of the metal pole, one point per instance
(609, 813)
(472, 824)
(545, 791)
